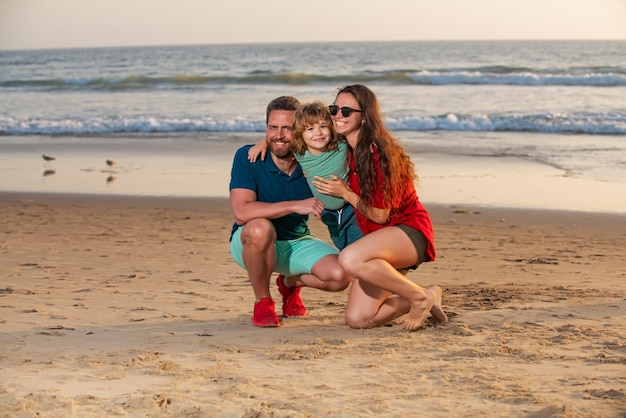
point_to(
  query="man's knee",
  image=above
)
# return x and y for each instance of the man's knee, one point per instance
(330, 272)
(338, 280)
(258, 232)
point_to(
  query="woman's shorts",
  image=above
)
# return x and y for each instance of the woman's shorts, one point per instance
(419, 242)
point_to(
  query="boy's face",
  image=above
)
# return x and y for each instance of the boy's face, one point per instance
(316, 136)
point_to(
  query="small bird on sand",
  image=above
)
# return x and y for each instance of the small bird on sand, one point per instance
(47, 157)
(111, 163)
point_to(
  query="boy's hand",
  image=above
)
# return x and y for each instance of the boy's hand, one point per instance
(257, 150)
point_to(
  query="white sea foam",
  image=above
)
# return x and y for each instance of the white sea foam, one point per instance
(580, 123)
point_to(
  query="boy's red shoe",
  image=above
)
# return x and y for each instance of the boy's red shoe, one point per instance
(292, 304)
(265, 314)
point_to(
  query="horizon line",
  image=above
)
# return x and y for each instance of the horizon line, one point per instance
(156, 45)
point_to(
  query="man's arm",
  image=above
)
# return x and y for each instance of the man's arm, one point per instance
(245, 207)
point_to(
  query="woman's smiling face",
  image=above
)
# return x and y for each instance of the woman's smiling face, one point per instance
(348, 126)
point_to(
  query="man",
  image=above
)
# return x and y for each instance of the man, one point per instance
(271, 202)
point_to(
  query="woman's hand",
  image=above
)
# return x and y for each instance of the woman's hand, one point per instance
(333, 186)
(338, 188)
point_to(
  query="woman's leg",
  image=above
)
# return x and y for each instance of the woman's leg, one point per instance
(373, 260)
(370, 306)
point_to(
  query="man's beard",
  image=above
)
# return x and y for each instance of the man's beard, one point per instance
(283, 154)
(280, 152)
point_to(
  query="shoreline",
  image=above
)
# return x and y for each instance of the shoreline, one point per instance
(118, 305)
(199, 166)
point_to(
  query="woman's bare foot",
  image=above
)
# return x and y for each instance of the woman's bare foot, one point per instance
(416, 317)
(439, 316)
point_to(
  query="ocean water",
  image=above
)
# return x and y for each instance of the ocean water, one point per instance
(555, 105)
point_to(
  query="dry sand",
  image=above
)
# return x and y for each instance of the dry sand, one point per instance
(124, 306)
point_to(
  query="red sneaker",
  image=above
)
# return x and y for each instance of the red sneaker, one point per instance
(292, 304)
(265, 314)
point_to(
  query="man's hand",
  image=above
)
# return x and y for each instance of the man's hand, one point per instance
(310, 206)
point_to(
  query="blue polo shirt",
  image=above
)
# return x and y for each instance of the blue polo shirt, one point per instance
(272, 185)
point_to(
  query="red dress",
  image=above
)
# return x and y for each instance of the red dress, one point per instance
(407, 210)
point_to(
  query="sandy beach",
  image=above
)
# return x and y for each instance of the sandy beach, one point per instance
(132, 306)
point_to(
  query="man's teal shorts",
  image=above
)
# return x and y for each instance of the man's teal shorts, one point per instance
(293, 257)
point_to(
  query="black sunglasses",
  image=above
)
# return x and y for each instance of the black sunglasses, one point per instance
(345, 111)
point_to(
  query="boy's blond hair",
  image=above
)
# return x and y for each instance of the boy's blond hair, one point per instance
(307, 115)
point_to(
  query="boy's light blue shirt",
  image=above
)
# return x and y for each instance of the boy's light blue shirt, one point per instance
(323, 165)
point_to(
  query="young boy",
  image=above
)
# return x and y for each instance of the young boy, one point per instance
(321, 152)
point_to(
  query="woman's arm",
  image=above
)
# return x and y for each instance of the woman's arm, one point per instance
(338, 188)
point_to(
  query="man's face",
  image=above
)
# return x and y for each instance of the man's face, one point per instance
(278, 132)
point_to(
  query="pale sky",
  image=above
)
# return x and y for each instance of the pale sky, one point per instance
(35, 24)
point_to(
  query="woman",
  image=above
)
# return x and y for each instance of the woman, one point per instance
(398, 230)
